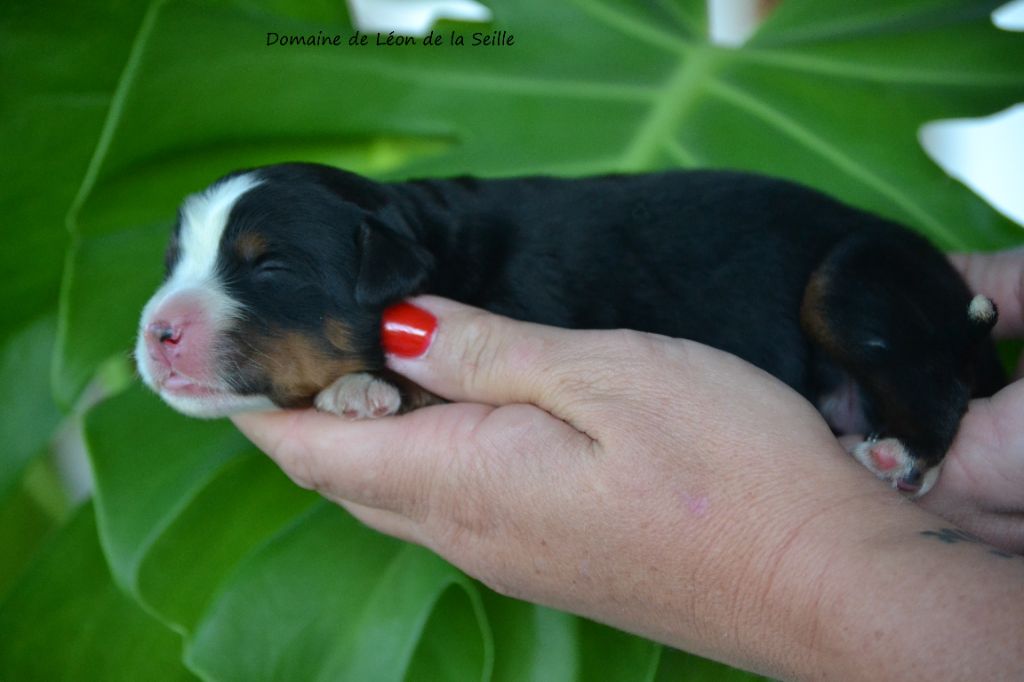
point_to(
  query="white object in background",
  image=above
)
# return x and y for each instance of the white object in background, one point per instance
(986, 154)
(732, 22)
(1010, 16)
(412, 17)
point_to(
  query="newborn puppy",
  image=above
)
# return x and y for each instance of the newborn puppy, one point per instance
(277, 277)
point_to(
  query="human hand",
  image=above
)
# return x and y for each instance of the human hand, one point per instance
(658, 485)
(981, 488)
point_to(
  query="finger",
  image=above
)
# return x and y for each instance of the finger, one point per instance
(985, 448)
(476, 356)
(1000, 276)
(387, 464)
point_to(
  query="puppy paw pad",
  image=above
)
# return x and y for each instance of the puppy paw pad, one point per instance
(359, 396)
(886, 455)
(886, 458)
(890, 461)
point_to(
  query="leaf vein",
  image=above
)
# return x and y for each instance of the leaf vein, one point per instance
(842, 160)
(869, 72)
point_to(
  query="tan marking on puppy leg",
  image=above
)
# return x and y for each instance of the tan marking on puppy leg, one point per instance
(812, 310)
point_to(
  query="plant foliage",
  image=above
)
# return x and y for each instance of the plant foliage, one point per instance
(265, 581)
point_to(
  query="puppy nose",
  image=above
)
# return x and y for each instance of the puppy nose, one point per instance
(165, 342)
(167, 333)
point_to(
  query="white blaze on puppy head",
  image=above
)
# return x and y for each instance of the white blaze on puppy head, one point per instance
(176, 346)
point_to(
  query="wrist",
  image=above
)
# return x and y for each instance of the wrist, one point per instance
(898, 595)
(787, 619)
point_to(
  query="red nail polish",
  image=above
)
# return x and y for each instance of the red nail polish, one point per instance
(406, 331)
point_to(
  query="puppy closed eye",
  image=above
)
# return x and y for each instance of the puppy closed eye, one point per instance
(269, 266)
(874, 349)
(876, 343)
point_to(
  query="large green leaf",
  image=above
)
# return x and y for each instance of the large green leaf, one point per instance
(60, 64)
(263, 581)
(344, 603)
(828, 93)
(29, 416)
(61, 60)
(24, 523)
(58, 76)
(156, 470)
(66, 620)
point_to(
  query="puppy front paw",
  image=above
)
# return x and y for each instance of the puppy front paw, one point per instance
(359, 396)
(890, 461)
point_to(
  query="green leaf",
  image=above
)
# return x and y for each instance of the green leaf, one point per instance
(29, 417)
(679, 666)
(60, 65)
(536, 643)
(180, 501)
(58, 76)
(344, 604)
(66, 620)
(176, 538)
(24, 523)
(453, 644)
(61, 62)
(182, 568)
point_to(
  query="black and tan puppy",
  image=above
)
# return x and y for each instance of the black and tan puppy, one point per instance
(277, 277)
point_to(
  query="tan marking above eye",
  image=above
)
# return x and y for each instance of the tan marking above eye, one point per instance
(250, 246)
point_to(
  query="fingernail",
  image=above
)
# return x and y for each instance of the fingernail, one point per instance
(406, 331)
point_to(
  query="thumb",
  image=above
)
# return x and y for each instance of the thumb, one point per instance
(475, 356)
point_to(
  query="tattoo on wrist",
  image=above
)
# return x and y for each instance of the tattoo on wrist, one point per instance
(954, 536)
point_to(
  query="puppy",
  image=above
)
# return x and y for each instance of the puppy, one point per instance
(276, 279)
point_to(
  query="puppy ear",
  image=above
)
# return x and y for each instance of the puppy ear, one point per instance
(391, 265)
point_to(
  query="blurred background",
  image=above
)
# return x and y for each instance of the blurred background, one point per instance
(143, 545)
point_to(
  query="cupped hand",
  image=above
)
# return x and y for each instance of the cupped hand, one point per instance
(981, 488)
(553, 431)
(663, 487)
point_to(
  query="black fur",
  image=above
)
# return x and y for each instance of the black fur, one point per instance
(723, 258)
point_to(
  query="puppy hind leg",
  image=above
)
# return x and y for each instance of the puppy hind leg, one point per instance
(887, 308)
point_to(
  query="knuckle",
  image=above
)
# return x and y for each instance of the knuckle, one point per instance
(608, 369)
(478, 349)
(463, 512)
(461, 526)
